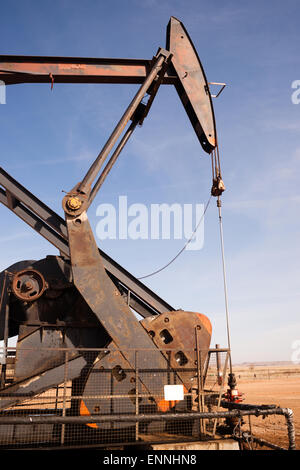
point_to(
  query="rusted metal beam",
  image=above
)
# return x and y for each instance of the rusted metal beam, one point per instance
(89, 274)
(53, 228)
(112, 161)
(158, 61)
(192, 85)
(185, 72)
(16, 69)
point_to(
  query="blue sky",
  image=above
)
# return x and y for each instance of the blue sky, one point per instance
(48, 140)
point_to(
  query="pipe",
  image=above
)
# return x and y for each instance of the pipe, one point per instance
(288, 413)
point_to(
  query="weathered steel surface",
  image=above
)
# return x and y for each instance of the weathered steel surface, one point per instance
(113, 375)
(59, 319)
(28, 285)
(99, 292)
(89, 275)
(82, 279)
(13, 325)
(47, 379)
(38, 69)
(53, 228)
(186, 73)
(176, 330)
(192, 85)
(106, 302)
(173, 334)
(83, 188)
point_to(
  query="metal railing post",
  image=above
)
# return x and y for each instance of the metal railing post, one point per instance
(64, 397)
(4, 312)
(136, 395)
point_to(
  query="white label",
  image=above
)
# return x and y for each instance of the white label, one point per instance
(173, 392)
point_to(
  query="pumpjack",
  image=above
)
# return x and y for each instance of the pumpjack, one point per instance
(82, 300)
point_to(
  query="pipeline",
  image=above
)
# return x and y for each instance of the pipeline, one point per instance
(236, 413)
(264, 410)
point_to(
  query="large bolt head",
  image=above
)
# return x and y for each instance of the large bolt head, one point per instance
(74, 203)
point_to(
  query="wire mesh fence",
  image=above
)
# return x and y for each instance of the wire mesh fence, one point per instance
(107, 386)
(259, 431)
(104, 397)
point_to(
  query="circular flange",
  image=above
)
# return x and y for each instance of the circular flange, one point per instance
(28, 285)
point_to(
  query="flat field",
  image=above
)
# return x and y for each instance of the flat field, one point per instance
(271, 384)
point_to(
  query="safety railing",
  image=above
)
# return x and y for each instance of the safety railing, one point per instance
(109, 402)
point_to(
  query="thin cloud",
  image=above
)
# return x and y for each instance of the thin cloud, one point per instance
(13, 237)
(85, 156)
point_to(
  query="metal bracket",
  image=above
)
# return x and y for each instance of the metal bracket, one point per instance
(222, 86)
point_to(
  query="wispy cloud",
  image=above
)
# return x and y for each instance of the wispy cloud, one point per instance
(13, 237)
(265, 203)
(279, 124)
(84, 156)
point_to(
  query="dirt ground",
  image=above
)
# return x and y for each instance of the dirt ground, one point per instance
(283, 391)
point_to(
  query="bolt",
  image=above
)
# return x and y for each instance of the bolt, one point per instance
(27, 285)
(74, 203)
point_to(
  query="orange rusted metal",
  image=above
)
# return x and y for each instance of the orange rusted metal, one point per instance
(37, 69)
(192, 85)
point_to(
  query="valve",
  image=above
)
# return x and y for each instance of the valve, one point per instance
(232, 394)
